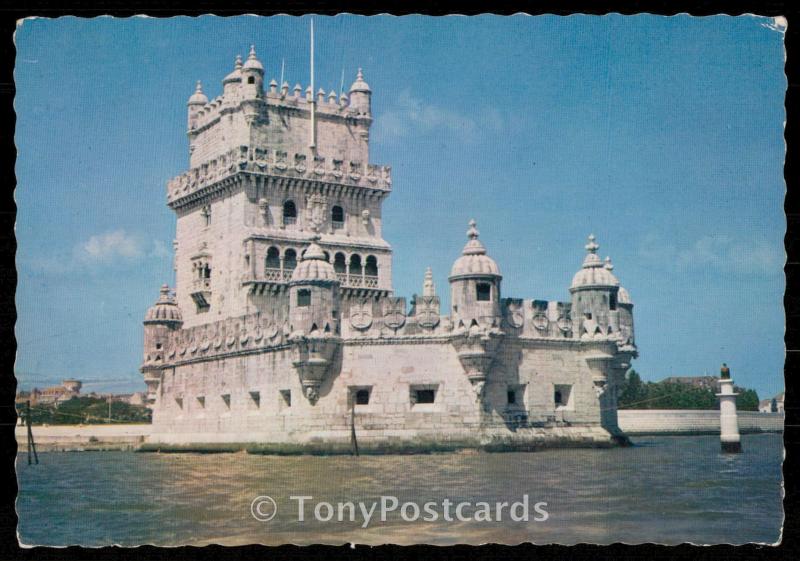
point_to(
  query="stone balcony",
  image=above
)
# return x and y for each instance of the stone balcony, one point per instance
(277, 163)
(275, 279)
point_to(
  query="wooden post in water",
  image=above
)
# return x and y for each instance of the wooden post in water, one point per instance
(353, 440)
(31, 443)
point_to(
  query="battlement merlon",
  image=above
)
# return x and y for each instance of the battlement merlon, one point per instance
(281, 164)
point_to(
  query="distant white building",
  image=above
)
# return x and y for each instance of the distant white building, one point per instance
(773, 405)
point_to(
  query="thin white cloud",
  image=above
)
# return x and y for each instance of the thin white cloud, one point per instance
(720, 253)
(110, 246)
(409, 116)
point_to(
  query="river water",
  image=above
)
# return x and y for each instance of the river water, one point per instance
(665, 490)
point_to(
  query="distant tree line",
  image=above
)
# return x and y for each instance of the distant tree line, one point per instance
(636, 394)
(85, 410)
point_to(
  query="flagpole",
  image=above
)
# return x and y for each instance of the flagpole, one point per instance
(313, 94)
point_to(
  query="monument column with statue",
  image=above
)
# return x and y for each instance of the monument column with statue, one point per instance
(728, 420)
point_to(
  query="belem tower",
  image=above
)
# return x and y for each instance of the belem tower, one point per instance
(283, 328)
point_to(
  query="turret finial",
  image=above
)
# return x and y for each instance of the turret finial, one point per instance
(608, 264)
(592, 246)
(238, 64)
(252, 54)
(473, 233)
(428, 288)
(199, 87)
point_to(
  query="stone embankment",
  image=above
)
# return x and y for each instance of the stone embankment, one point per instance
(689, 421)
(84, 437)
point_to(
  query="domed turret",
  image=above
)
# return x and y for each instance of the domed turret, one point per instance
(314, 267)
(473, 258)
(360, 95)
(196, 102)
(314, 318)
(232, 82)
(594, 273)
(198, 97)
(475, 285)
(165, 310)
(252, 76)
(161, 320)
(595, 296)
(314, 293)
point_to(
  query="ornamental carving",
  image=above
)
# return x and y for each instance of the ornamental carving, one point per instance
(514, 314)
(427, 311)
(361, 315)
(394, 313)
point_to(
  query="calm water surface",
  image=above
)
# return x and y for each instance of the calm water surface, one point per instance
(664, 490)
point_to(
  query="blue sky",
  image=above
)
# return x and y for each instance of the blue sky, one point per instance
(662, 135)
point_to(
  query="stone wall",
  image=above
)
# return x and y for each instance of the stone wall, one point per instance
(686, 421)
(258, 397)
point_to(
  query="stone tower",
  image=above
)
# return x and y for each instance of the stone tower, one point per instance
(257, 193)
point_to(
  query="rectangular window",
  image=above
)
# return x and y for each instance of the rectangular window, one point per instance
(360, 394)
(612, 301)
(201, 400)
(422, 395)
(255, 397)
(512, 397)
(303, 298)
(484, 291)
(562, 396)
(179, 401)
(226, 399)
(286, 396)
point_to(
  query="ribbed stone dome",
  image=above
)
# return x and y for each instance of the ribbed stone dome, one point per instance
(236, 73)
(165, 310)
(594, 272)
(313, 266)
(473, 260)
(198, 97)
(359, 85)
(252, 63)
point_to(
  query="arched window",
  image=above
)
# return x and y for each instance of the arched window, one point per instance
(339, 263)
(273, 258)
(355, 264)
(289, 260)
(327, 256)
(337, 217)
(371, 266)
(289, 213)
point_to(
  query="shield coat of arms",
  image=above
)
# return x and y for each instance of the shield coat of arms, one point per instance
(394, 312)
(317, 205)
(515, 317)
(361, 315)
(428, 311)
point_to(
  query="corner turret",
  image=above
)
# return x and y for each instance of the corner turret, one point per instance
(594, 292)
(162, 319)
(314, 315)
(475, 286)
(252, 76)
(196, 102)
(360, 96)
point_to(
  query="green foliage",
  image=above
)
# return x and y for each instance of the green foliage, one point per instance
(635, 394)
(747, 400)
(86, 410)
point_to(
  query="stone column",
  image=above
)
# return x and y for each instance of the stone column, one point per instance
(728, 420)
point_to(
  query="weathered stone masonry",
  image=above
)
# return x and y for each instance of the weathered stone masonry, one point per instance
(283, 318)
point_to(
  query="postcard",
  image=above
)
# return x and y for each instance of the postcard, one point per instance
(406, 280)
